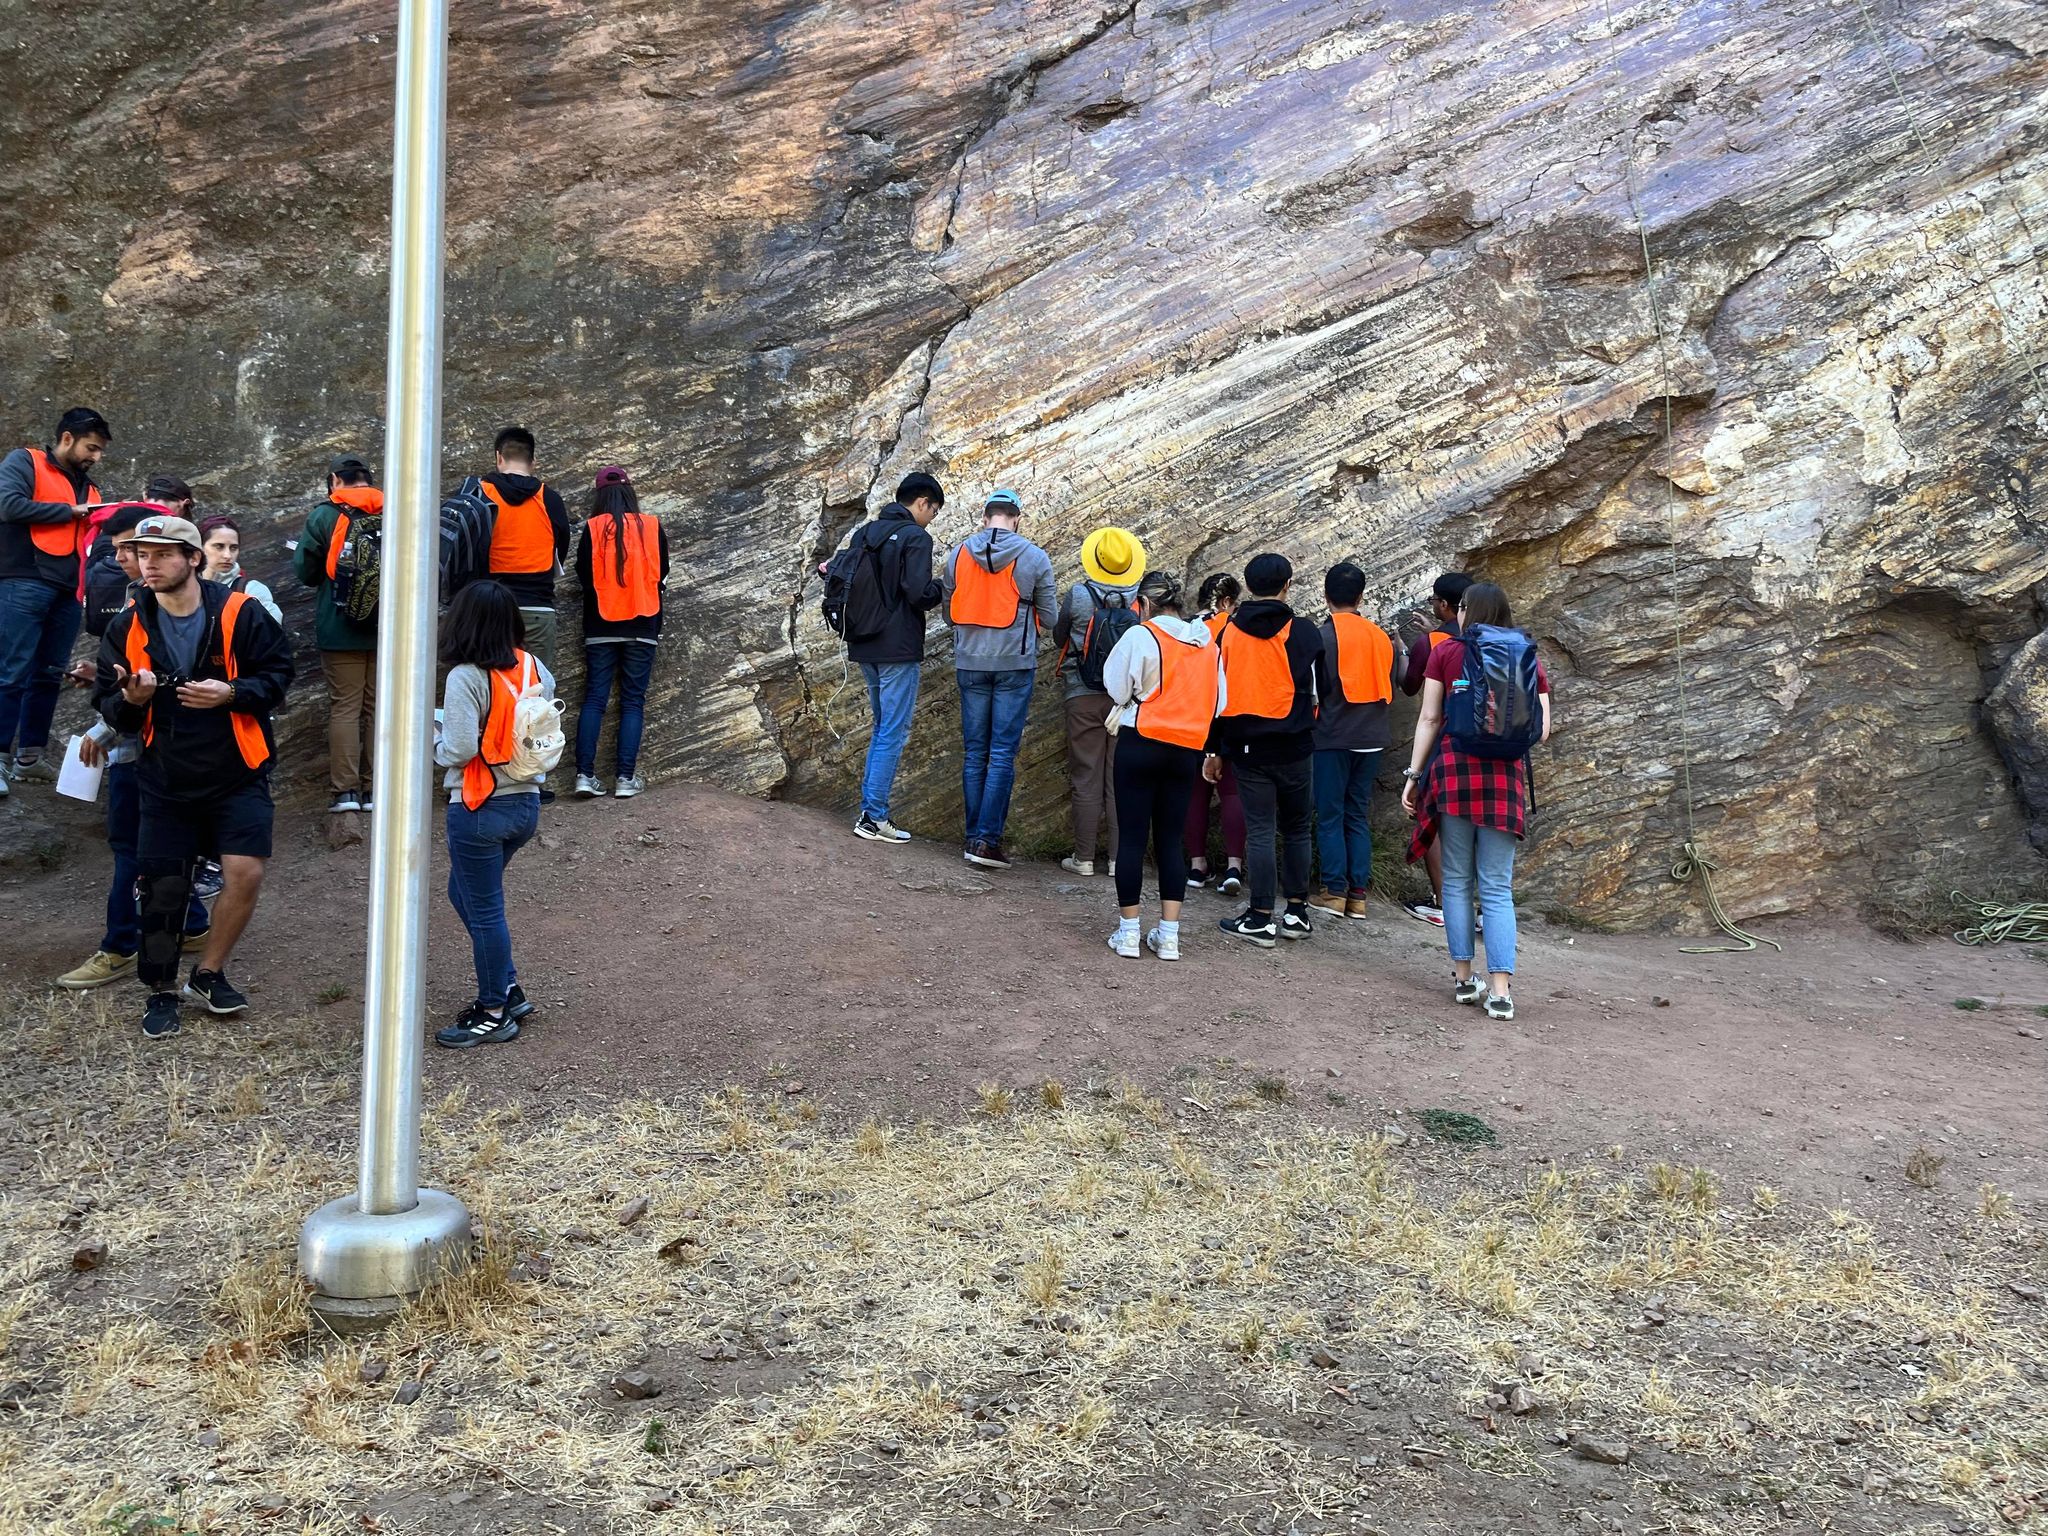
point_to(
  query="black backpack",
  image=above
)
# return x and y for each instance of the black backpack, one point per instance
(854, 605)
(1108, 622)
(358, 570)
(1492, 709)
(468, 519)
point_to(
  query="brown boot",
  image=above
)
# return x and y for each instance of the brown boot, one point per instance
(1354, 905)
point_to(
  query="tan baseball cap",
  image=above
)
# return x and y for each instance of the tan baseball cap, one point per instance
(167, 530)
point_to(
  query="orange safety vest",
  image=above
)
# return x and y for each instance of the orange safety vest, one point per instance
(1438, 637)
(366, 499)
(1185, 703)
(1261, 680)
(52, 484)
(637, 594)
(1365, 659)
(1216, 621)
(522, 538)
(248, 729)
(494, 742)
(983, 597)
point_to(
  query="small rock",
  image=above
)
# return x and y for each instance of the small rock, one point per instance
(1661, 1002)
(90, 1254)
(634, 1209)
(269, 1505)
(1324, 1358)
(793, 1087)
(1393, 1136)
(207, 1440)
(889, 1447)
(578, 1235)
(1607, 1450)
(407, 1394)
(1522, 1401)
(370, 1372)
(2023, 1290)
(636, 1385)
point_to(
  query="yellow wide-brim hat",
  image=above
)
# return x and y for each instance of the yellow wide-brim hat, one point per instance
(1114, 557)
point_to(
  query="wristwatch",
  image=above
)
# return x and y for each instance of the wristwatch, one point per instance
(1411, 773)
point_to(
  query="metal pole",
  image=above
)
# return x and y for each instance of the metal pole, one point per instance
(365, 1252)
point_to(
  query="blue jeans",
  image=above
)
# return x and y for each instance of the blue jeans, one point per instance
(892, 697)
(38, 623)
(124, 825)
(1344, 783)
(992, 710)
(632, 664)
(1484, 856)
(480, 844)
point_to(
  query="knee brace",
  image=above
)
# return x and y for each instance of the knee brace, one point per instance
(164, 897)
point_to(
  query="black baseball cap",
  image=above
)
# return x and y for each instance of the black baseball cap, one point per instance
(347, 464)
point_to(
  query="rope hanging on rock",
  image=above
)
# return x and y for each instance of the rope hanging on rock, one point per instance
(2023, 922)
(1692, 859)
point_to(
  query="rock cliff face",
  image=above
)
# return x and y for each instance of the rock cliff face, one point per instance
(1343, 279)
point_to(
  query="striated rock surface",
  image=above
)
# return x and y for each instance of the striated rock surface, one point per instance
(1348, 280)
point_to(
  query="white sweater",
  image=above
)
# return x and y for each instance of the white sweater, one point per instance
(1131, 674)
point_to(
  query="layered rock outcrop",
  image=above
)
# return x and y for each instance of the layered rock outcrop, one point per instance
(1348, 280)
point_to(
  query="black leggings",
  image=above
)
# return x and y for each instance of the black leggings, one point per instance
(1155, 784)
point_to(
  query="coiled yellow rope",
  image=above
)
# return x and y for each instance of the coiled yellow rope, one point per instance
(1692, 861)
(2023, 922)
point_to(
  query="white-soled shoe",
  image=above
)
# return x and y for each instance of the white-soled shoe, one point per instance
(1125, 944)
(1165, 945)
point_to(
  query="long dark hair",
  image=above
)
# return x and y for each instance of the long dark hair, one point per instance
(482, 628)
(615, 501)
(1485, 603)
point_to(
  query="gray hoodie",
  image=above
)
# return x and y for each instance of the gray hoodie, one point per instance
(977, 648)
(1082, 599)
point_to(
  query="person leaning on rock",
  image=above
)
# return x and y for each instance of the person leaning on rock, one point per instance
(893, 553)
(348, 648)
(529, 536)
(46, 497)
(194, 671)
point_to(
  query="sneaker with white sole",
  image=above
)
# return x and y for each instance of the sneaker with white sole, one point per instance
(474, 1027)
(588, 786)
(1165, 945)
(1232, 882)
(1294, 923)
(1501, 1008)
(101, 967)
(1423, 912)
(883, 831)
(346, 803)
(1468, 991)
(1331, 902)
(628, 787)
(1253, 927)
(37, 771)
(214, 992)
(1124, 943)
(160, 1018)
(1074, 866)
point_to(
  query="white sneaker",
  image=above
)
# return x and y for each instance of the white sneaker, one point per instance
(588, 786)
(1124, 943)
(883, 831)
(1165, 945)
(628, 787)
(1074, 866)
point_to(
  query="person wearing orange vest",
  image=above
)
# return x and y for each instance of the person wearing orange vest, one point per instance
(46, 497)
(1354, 694)
(1000, 595)
(348, 650)
(1167, 686)
(195, 671)
(622, 566)
(1265, 734)
(1441, 625)
(491, 814)
(1214, 605)
(529, 536)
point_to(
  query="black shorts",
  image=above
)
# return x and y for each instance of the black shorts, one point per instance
(236, 825)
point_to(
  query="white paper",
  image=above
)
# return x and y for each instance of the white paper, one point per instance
(74, 778)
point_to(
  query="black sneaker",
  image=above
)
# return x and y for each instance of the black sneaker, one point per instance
(1232, 882)
(516, 1005)
(214, 992)
(475, 1027)
(1294, 923)
(1197, 878)
(547, 797)
(160, 1018)
(207, 881)
(345, 803)
(1253, 927)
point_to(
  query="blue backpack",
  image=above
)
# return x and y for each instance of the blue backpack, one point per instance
(1492, 709)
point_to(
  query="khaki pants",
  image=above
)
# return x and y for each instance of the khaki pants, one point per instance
(540, 635)
(351, 712)
(1091, 765)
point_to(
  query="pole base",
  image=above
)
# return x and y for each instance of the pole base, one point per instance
(363, 1267)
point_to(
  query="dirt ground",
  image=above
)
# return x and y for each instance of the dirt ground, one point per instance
(956, 1222)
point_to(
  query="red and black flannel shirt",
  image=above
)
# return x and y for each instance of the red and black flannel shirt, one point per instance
(1483, 790)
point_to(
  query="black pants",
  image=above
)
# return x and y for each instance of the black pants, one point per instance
(171, 837)
(1279, 799)
(1155, 783)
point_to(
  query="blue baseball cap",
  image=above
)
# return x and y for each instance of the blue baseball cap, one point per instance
(1010, 498)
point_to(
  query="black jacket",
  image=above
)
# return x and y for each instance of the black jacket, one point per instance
(106, 588)
(19, 511)
(1256, 739)
(192, 754)
(534, 589)
(903, 554)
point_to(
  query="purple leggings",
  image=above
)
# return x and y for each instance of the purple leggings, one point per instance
(1197, 837)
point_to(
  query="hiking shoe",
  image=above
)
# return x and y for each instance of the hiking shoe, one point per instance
(38, 771)
(1502, 1008)
(101, 967)
(1125, 943)
(1253, 927)
(516, 1005)
(1331, 902)
(1423, 912)
(209, 880)
(213, 991)
(1354, 905)
(989, 855)
(1232, 882)
(588, 787)
(1468, 991)
(883, 831)
(628, 786)
(347, 803)
(1294, 923)
(1165, 945)
(473, 1026)
(160, 1018)
(1074, 866)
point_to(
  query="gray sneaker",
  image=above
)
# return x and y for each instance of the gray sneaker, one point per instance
(628, 787)
(40, 771)
(588, 787)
